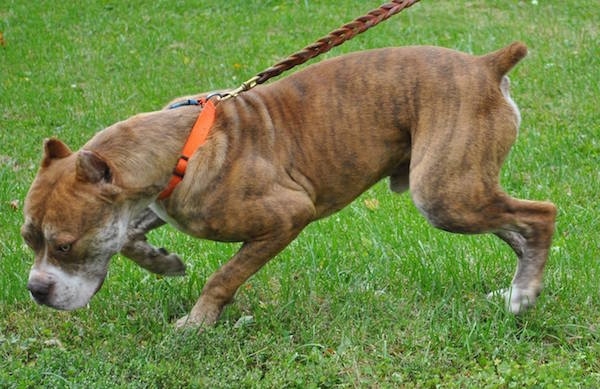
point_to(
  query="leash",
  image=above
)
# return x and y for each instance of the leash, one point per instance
(326, 43)
(206, 118)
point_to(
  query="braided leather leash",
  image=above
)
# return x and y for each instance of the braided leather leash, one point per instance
(323, 45)
(205, 120)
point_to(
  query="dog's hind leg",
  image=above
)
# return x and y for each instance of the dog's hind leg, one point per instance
(153, 259)
(526, 226)
(530, 236)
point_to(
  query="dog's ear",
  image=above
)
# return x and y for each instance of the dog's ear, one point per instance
(90, 167)
(54, 149)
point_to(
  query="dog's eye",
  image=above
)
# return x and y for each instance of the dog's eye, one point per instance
(63, 248)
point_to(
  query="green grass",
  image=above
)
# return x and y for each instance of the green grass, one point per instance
(366, 298)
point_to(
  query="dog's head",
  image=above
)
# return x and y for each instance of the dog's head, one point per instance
(75, 220)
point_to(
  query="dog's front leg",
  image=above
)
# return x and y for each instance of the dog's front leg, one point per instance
(221, 287)
(277, 219)
(153, 259)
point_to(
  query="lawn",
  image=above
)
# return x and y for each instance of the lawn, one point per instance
(370, 297)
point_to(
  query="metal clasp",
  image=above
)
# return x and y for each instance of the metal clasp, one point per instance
(246, 86)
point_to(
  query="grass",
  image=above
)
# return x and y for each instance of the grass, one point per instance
(371, 297)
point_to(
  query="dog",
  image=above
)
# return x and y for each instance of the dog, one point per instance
(437, 122)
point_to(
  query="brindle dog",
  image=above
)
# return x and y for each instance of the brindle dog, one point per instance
(435, 121)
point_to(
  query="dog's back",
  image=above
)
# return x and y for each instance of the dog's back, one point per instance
(362, 115)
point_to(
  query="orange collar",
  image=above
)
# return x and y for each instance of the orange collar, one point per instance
(197, 138)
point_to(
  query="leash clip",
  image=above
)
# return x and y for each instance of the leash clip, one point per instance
(218, 95)
(246, 86)
(185, 103)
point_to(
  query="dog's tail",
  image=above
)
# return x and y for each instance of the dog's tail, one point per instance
(501, 61)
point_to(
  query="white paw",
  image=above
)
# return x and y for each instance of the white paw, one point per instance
(183, 323)
(199, 318)
(516, 299)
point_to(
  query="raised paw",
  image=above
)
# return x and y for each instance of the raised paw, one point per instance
(137, 248)
(166, 265)
(156, 260)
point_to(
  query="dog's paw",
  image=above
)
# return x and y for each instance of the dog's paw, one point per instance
(155, 260)
(187, 323)
(198, 319)
(184, 323)
(516, 300)
(168, 265)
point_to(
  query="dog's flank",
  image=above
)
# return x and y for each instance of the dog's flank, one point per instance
(437, 122)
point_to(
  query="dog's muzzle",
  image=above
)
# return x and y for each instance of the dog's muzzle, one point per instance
(41, 287)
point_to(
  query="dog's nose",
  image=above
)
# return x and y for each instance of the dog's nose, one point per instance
(40, 289)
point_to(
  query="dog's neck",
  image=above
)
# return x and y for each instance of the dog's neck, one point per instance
(143, 150)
